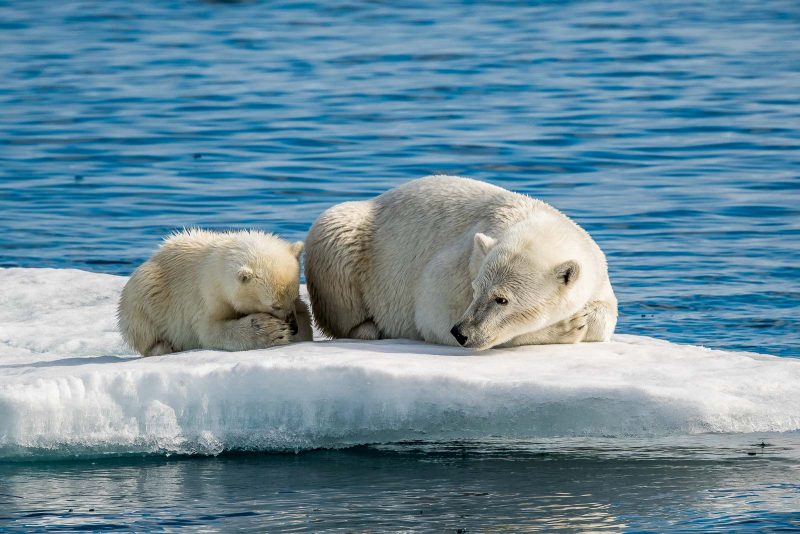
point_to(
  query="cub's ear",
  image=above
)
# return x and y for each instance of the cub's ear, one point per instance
(482, 244)
(296, 248)
(244, 275)
(568, 272)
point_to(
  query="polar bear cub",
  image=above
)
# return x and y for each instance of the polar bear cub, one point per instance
(459, 262)
(232, 291)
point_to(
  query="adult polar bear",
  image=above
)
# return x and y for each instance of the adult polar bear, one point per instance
(451, 260)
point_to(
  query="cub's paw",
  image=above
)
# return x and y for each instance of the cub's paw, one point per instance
(572, 329)
(270, 330)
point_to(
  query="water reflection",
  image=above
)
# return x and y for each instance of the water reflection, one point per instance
(423, 487)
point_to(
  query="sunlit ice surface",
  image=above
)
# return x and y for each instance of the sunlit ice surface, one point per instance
(70, 387)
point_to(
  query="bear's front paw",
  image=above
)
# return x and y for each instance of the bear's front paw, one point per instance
(573, 329)
(270, 330)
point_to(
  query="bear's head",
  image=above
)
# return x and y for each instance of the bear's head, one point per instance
(528, 279)
(264, 276)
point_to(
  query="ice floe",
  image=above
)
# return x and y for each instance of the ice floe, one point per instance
(69, 386)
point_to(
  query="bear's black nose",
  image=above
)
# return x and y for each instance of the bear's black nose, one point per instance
(293, 325)
(461, 338)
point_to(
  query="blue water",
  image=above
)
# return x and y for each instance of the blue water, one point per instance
(412, 487)
(670, 130)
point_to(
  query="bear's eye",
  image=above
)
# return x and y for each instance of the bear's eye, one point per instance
(501, 301)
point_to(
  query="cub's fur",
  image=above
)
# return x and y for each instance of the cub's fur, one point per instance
(215, 290)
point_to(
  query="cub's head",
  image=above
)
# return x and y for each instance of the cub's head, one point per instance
(264, 276)
(521, 284)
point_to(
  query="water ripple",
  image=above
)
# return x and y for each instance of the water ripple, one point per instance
(670, 130)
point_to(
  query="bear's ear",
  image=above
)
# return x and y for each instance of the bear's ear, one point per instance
(244, 275)
(483, 244)
(296, 248)
(568, 272)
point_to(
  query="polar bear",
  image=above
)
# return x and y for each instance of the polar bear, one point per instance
(456, 261)
(215, 290)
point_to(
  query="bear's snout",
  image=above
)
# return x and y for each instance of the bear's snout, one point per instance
(293, 325)
(461, 338)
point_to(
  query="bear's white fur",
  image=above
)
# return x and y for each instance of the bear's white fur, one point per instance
(444, 258)
(215, 290)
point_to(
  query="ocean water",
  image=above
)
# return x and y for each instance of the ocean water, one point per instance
(670, 130)
(456, 487)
